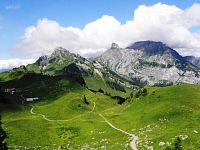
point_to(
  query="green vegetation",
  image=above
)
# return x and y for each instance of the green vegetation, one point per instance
(67, 113)
(16, 73)
(116, 86)
(96, 83)
(140, 92)
(72, 122)
(3, 136)
(177, 145)
(157, 119)
(161, 116)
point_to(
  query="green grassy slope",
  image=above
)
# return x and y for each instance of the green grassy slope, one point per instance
(73, 122)
(97, 83)
(37, 85)
(15, 73)
(161, 116)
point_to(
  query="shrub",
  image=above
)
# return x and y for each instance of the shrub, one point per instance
(3, 136)
(141, 92)
(177, 145)
(85, 100)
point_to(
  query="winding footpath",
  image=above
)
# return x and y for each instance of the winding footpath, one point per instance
(133, 137)
(47, 119)
(93, 106)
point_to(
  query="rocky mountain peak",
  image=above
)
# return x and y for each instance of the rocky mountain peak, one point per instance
(150, 47)
(58, 56)
(43, 60)
(151, 63)
(59, 51)
(114, 46)
(194, 60)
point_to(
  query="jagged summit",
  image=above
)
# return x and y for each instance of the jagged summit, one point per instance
(194, 60)
(43, 60)
(150, 47)
(146, 44)
(56, 63)
(155, 48)
(59, 55)
(60, 52)
(114, 46)
(150, 63)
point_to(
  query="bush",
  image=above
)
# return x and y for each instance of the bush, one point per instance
(144, 92)
(3, 136)
(85, 100)
(100, 91)
(141, 92)
(177, 145)
(131, 95)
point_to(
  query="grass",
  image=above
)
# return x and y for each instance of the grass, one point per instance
(97, 82)
(88, 130)
(161, 116)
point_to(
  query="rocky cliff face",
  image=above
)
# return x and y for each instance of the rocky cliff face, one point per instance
(62, 62)
(55, 63)
(194, 60)
(151, 63)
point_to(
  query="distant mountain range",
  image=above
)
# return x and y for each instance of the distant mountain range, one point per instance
(3, 70)
(194, 60)
(141, 63)
(150, 63)
(69, 101)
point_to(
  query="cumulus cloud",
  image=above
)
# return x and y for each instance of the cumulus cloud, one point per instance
(11, 63)
(159, 22)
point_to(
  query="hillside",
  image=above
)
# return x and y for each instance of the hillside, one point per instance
(156, 119)
(63, 63)
(194, 60)
(65, 101)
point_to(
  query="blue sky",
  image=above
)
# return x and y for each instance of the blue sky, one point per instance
(24, 13)
(17, 15)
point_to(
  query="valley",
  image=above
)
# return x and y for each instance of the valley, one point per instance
(157, 118)
(65, 101)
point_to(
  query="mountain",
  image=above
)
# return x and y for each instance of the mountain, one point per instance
(55, 63)
(76, 101)
(150, 63)
(141, 63)
(66, 64)
(4, 70)
(194, 60)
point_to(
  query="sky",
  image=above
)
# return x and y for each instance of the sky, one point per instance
(31, 28)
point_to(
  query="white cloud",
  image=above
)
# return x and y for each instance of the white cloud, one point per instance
(11, 63)
(12, 7)
(159, 22)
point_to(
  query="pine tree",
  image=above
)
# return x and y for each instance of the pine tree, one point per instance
(3, 136)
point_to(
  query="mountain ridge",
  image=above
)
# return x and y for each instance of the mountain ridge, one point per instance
(150, 62)
(194, 60)
(142, 63)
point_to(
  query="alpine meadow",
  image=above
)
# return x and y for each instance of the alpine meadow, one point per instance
(112, 84)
